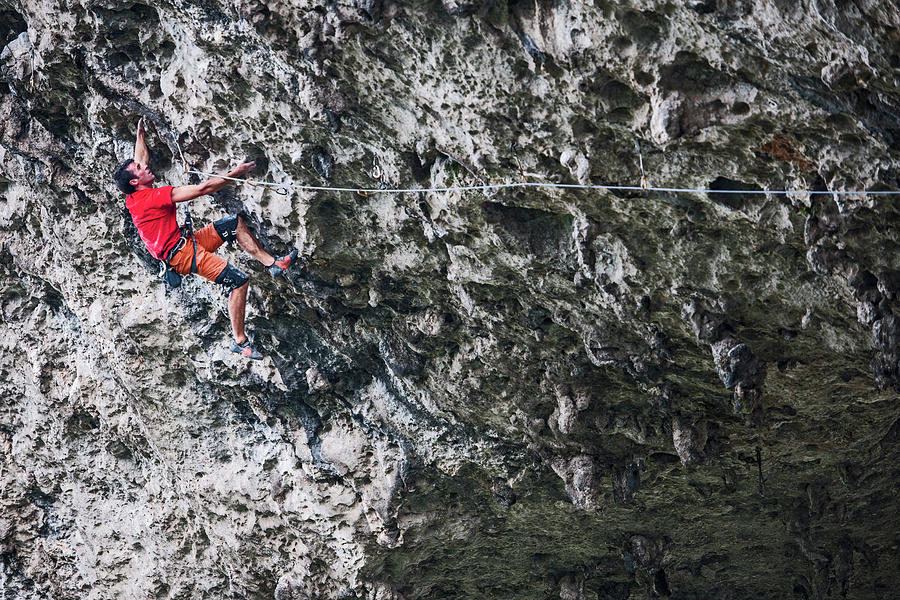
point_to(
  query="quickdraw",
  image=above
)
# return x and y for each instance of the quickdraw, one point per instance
(637, 147)
(379, 173)
(514, 147)
(376, 172)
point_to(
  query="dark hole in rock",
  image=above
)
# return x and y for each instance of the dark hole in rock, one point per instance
(118, 449)
(660, 584)
(40, 498)
(160, 160)
(258, 155)
(786, 364)
(55, 301)
(334, 120)
(502, 492)
(615, 94)
(81, 422)
(621, 43)
(582, 127)
(851, 139)
(167, 48)
(538, 317)
(133, 51)
(788, 334)
(460, 9)
(12, 24)
(664, 458)
(644, 27)
(740, 108)
(619, 115)
(123, 16)
(330, 218)
(117, 59)
(371, 10)
(532, 231)
(614, 590)
(644, 78)
(894, 60)
(702, 7)
(691, 73)
(732, 200)
(647, 35)
(418, 170)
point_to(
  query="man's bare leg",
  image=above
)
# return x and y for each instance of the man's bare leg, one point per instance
(237, 303)
(253, 247)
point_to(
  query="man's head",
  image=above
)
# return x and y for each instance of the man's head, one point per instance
(131, 175)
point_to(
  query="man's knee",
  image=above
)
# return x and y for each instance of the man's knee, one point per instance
(231, 278)
(227, 227)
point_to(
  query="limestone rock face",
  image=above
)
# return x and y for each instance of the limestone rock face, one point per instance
(515, 393)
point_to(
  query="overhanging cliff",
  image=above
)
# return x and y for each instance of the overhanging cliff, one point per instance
(525, 393)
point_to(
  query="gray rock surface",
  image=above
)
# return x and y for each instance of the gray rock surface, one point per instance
(521, 393)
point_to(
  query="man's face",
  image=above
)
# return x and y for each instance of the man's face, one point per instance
(142, 174)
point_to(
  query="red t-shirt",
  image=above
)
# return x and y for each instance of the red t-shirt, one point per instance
(153, 213)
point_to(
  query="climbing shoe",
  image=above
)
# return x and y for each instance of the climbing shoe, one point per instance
(246, 349)
(281, 264)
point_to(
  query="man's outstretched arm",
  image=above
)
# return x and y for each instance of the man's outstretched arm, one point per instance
(183, 193)
(141, 155)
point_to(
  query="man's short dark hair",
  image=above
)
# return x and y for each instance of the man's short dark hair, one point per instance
(122, 176)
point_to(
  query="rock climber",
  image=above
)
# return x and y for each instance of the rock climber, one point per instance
(153, 212)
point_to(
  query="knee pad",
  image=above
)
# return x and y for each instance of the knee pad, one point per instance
(227, 228)
(231, 278)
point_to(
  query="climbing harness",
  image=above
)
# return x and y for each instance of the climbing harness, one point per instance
(168, 275)
(171, 277)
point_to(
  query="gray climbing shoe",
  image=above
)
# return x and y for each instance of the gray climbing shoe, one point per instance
(282, 264)
(246, 349)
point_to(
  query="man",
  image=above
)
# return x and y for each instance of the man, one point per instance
(153, 212)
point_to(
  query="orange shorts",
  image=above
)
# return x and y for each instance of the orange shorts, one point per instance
(209, 265)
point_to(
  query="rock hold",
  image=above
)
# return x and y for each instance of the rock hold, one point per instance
(626, 481)
(581, 475)
(689, 439)
(316, 381)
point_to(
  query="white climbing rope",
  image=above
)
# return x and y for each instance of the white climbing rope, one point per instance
(282, 188)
